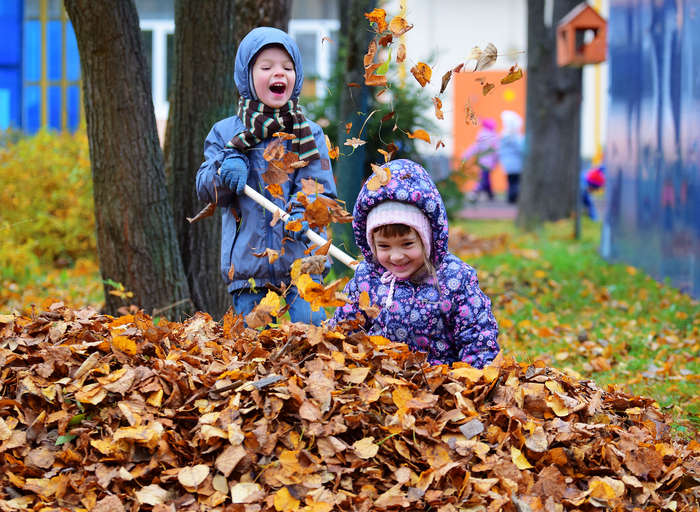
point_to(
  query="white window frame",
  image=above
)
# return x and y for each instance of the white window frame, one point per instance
(159, 62)
(321, 29)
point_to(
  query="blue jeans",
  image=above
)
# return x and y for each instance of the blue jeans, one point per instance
(299, 310)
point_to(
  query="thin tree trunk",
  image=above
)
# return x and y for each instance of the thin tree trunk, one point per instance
(135, 234)
(349, 170)
(549, 184)
(203, 93)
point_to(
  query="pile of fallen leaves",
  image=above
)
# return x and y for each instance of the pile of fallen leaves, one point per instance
(103, 413)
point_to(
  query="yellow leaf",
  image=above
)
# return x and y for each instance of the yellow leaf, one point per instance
(365, 448)
(91, 394)
(519, 459)
(399, 25)
(379, 341)
(284, 501)
(467, 372)
(124, 344)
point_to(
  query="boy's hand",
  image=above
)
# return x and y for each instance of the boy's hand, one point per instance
(234, 173)
(299, 236)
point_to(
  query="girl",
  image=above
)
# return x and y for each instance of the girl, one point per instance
(429, 298)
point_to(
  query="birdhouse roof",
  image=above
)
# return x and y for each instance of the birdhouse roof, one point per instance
(582, 9)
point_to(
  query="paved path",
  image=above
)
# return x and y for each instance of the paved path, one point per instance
(483, 209)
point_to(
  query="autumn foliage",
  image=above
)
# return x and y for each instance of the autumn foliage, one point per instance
(103, 413)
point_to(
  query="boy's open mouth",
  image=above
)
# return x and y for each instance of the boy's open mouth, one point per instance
(278, 88)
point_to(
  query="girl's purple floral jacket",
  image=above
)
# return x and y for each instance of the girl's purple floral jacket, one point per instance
(452, 321)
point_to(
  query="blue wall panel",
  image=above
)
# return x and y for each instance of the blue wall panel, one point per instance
(10, 63)
(653, 146)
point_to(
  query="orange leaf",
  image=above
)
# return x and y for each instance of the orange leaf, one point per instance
(377, 16)
(399, 26)
(422, 73)
(401, 53)
(419, 134)
(437, 102)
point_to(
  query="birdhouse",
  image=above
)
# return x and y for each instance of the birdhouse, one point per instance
(581, 37)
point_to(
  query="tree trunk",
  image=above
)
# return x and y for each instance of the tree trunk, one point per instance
(349, 170)
(549, 184)
(251, 14)
(135, 234)
(203, 93)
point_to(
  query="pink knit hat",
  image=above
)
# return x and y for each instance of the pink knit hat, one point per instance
(395, 212)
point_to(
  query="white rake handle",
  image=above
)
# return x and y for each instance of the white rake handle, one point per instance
(336, 253)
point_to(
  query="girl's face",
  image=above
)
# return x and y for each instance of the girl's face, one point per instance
(273, 77)
(401, 255)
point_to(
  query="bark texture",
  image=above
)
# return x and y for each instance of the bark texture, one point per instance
(261, 13)
(549, 184)
(135, 234)
(204, 92)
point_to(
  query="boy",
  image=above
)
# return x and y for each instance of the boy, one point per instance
(269, 77)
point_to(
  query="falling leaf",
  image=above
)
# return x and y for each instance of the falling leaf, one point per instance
(326, 39)
(355, 142)
(275, 190)
(368, 58)
(487, 87)
(514, 73)
(274, 150)
(487, 57)
(422, 73)
(399, 26)
(348, 127)
(271, 254)
(439, 144)
(373, 80)
(275, 219)
(311, 186)
(284, 135)
(231, 272)
(437, 102)
(470, 115)
(293, 225)
(380, 177)
(205, 212)
(377, 16)
(445, 80)
(419, 134)
(401, 53)
(384, 67)
(386, 40)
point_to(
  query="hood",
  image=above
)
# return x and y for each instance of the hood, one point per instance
(251, 45)
(410, 183)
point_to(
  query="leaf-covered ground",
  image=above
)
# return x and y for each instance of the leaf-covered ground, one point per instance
(558, 301)
(112, 414)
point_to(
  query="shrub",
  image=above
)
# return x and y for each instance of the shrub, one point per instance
(47, 215)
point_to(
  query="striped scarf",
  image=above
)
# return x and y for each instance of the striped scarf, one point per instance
(262, 121)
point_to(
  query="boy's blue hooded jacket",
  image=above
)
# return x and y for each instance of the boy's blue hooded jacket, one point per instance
(246, 225)
(451, 321)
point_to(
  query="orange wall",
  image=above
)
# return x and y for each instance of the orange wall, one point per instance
(502, 97)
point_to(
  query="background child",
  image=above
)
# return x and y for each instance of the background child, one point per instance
(269, 77)
(510, 151)
(429, 298)
(485, 149)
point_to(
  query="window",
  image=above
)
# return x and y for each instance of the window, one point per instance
(318, 43)
(51, 68)
(158, 45)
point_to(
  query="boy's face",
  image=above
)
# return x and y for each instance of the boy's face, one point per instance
(273, 77)
(401, 255)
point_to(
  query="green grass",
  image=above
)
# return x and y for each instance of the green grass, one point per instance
(556, 299)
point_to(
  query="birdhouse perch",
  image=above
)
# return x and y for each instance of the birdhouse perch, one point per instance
(581, 37)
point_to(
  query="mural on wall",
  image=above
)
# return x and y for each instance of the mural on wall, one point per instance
(653, 144)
